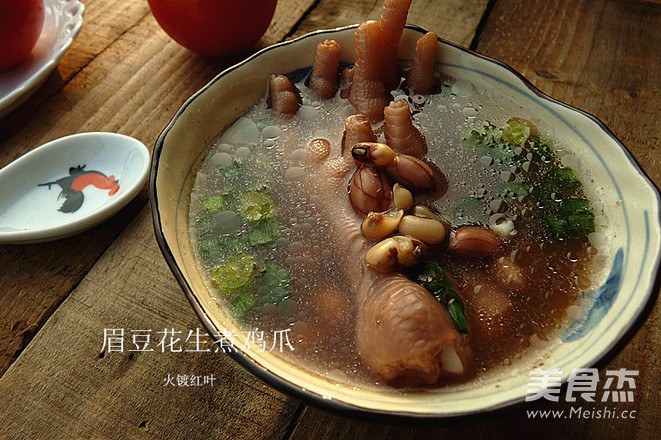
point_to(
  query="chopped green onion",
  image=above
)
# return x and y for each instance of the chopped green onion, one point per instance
(557, 228)
(560, 227)
(516, 189)
(266, 231)
(214, 204)
(433, 278)
(546, 193)
(575, 205)
(234, 274)
(215, 249)
(262, 123)
(255, 206)
(516, 132)
(543, 148)
(276, 285)
(243, 305)
(274, 288)
(233, 171)
(581, 224)
(487, 142)
(566, 179)
(456, 310)
(555, 189)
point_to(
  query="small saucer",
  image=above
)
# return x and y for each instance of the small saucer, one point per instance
(62, 22)
(69, 185)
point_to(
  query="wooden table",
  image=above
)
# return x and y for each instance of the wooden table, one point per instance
(123, 74)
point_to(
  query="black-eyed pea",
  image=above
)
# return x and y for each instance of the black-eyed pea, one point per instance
(508, 274)
(427, 212)
(401, 197)
(382, 257)
(399, 249)
(424, 211)
(427, 230)
(377, 226)
(373, 153)
(409, 250)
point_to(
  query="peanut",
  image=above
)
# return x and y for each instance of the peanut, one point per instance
(473, 241)
(377, 226)
(424, 229)
(369, 191)
(412, 173)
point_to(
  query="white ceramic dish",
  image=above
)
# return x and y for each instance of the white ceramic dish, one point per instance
(62, 22)
(69, 185)
(630, 199)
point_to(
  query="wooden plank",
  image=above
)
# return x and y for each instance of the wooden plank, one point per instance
(603, 57)
(63, 386)
(33, 289)
(454, 20)
(134, 86)
(103, 24)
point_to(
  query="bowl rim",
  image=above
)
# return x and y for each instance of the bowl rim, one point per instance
(344, 408)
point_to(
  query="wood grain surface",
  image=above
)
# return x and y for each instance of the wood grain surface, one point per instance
(133, 84)
(124, 74)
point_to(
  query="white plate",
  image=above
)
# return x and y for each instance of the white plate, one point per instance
(62, 22)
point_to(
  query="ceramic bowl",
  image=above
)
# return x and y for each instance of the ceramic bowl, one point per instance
(630, 200)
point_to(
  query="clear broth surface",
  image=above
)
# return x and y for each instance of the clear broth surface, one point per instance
(269, 152)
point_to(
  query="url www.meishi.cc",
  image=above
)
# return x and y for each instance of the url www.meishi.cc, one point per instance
(580, 413)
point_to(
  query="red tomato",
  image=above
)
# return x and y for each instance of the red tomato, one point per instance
(20, 26)
(214, 27)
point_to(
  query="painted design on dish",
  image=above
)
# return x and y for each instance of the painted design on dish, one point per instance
(77, 180)
(602, 300)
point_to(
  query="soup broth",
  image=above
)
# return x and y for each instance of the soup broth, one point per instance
(266, 241)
